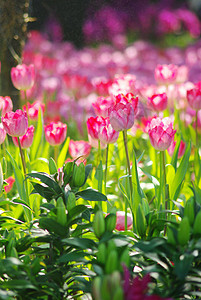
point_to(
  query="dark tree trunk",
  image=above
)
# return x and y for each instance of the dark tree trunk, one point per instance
(13, 17)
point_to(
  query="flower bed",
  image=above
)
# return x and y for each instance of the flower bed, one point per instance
(100, 174)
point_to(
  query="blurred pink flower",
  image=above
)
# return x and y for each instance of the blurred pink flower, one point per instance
(23, 76)
(194, 98)
(79, 148)
(182, 148)
(166, 74)
(102, 105)
(161, 133)
(6, 104)
(10, 181)
(137, 288)
(55, 133)
(158, 102)
(120, 222)
(33, 109)
(15, 123)
(121, 114)
(26, 140)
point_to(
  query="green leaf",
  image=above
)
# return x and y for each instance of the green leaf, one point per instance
(38, 137)
(52, 166)
(63, 152)
(137, 192)
(39, 164)
(52, 226)
(73, 256)
(82, 243)
(46, 179)
(180, 174)
(88, 169)
(99, 176)
(45, 192)
(18, 284)
(91, 195)
(23, 203)
(175, 154)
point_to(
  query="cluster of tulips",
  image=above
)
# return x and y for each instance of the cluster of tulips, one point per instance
(122, 124)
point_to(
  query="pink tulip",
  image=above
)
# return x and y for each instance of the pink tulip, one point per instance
(121, 114)
(55, 133)
(79, 148)
(107, 134)
(182, 148)
(15, 123)
(158, 102)
(102, 105)
(93, 126)
(23, 76)
(6, 104)
(26, 140)
(161, 133)
(166, 74)
(2, 134)
(33, 109)
(10, 181)
(194, 98)
(120, 222)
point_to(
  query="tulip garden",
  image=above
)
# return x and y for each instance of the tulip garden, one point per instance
(100, 172)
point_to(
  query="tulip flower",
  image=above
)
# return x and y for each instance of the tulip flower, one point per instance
(15, 123)
(79, 148)
(23, 76)
(161, 133)
(120, 222)
(158, 102)
(2, 134)
(10, 181)
(6, 104)
(93, 126)
(107, 134)
(55, 133)
(166, 74)
(121, 114)
(26, 140)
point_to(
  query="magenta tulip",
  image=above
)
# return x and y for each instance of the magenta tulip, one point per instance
(6, 104)
(79, 148)
(55, 133)
(161, 133)
(121, 114)
(15, 123)
(2, 134)
(158, 102)
(166, 74)
(107, 134)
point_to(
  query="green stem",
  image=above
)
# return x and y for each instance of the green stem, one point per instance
(164, 181)
(22, 157)
(196, 129)
(129, 172)
(56, 153)
(106, 163)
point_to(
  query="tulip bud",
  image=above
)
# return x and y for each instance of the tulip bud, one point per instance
(112, 262)
(96, 288)
(102, 253)
(99, 224)
(61, 212)
(78, 177)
